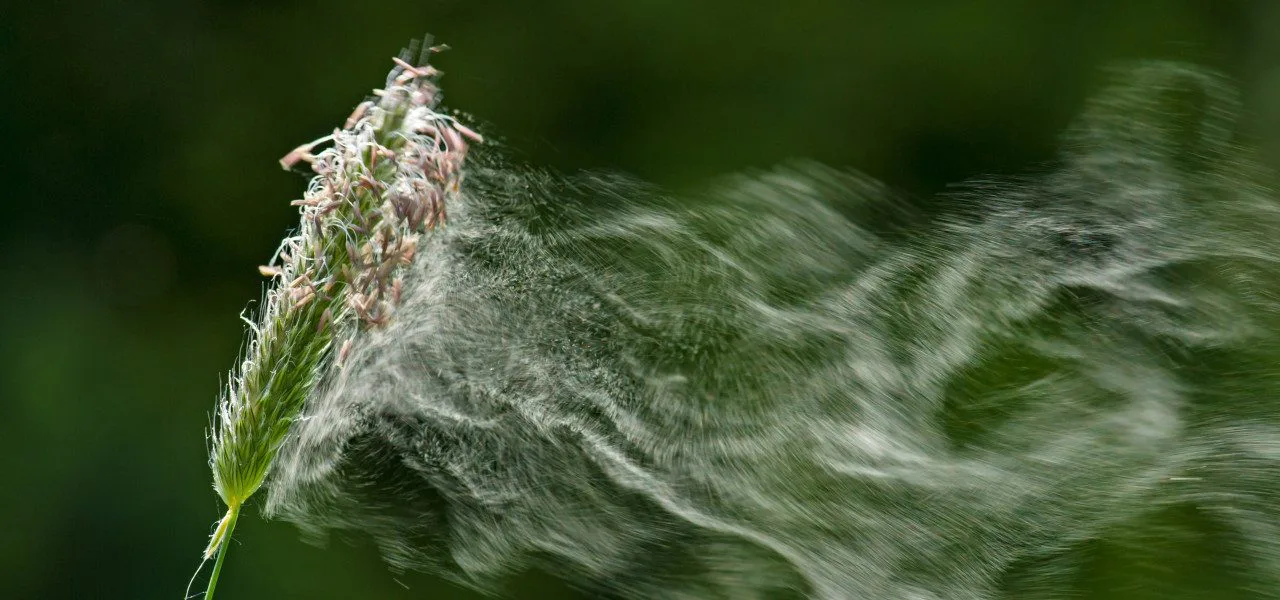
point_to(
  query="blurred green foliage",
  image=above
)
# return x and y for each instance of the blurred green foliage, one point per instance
(142, 190)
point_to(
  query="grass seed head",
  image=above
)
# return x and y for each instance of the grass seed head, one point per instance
(381, 181)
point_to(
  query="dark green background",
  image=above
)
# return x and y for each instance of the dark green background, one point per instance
(140, 190)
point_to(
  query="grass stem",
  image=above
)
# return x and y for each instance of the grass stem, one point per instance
(221, 539)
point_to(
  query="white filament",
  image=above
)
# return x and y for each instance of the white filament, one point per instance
(791, 386)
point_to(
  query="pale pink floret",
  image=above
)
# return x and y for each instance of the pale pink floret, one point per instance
(382, 215)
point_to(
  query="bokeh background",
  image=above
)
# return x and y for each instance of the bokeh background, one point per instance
(141, 189)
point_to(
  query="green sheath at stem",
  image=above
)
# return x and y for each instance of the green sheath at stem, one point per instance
(223, 534)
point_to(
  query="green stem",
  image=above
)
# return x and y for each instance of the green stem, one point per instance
(222, 538)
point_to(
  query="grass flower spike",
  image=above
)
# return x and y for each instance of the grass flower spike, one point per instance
(384, 179)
